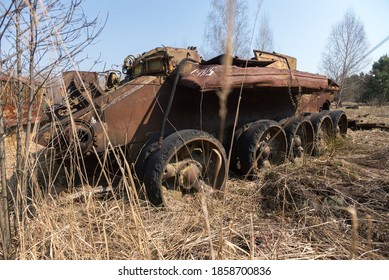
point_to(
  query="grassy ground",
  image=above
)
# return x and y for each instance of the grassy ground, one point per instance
(369, 114)
(330, 207)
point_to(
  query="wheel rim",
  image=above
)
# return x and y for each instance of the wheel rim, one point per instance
(339, 121)
(324, 134)
(263, 145)
(305, 136)
(185, 166)
(196, 162)
(300, 135)
(270, 148)
(74, 138)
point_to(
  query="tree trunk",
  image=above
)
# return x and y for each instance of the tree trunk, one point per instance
(5, 228)
(4, 207)
(19, 121)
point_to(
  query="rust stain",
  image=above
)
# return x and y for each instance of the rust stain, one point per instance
(132, 110)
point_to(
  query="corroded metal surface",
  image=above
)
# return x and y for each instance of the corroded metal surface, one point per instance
(132, 111)
(210, 77)
(11, 87)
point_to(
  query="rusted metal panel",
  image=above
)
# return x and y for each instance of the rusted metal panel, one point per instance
(9, 89)
(316, 102)
(134, 109)
(133, 112)
(210, 77)
(279, 61)
(10, 115)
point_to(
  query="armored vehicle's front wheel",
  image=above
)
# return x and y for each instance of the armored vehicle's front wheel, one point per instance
(189, 161)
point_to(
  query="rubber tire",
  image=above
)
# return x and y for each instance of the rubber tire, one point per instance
(144, 155)
(234, 161)
(318, 120)
(145, 152)
(339, 118)
(158, 160)
(291, 127)
(246, 151)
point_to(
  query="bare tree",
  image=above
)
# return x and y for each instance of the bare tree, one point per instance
(18, 96)
(5, 228)
(215, 34)
(264, 39)
(42, 38)
(345, 50)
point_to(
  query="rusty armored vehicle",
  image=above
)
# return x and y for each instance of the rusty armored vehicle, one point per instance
(166, 113)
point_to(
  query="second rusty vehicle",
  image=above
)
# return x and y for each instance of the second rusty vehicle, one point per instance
(177, 115)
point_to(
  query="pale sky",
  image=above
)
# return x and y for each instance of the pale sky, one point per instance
(300, 27)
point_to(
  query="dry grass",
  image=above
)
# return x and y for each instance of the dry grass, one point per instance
(366, 113)
(331, 207)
